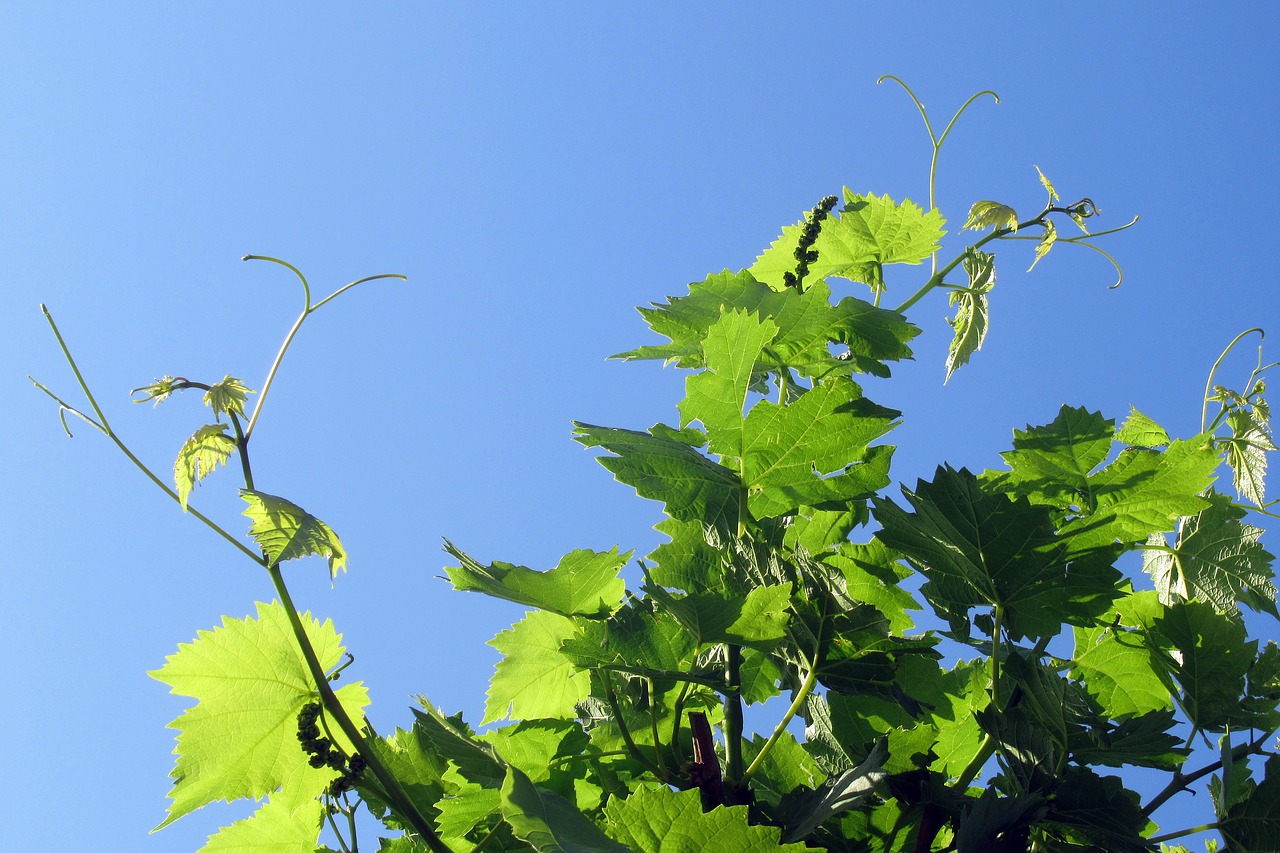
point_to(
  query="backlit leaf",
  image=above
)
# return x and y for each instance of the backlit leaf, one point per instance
(534, 679)
(990, 214)
(584, 583)
(284, 824)
(972, 310)
(654, 820)
(285, 531)
(1047, 239)
(1212, 660)
(227, 397)
(1138, 430)
(208, 448)
(250, 681)
(548, 822)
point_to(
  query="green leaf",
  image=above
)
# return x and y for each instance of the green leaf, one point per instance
(548, 822)
(1211, 662)
(1247, 450)
(1044, 182)
(991, 214)
(717, 396)
(250, 681)
(873, 575)
(980, 549)
(760, 619)
(208, 448)
(870, 232)
(807, 325)
(227, 397)
(1100, 809)
(1253, 825)
(972, 309)
(1052, 464)
(285, 531)
(1144, 492)
(1218, 558)
(1117, 664)
(1047, 239)
(157, 392)
(283, 824)
(693, 487)
(654, 820)
(534, 679)
(1138, 430)
(583, 583)
(1142, 741)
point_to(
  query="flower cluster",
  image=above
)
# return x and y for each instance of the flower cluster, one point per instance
(804, 253)
(323, 753)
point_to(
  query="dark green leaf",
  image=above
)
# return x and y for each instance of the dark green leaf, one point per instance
(1211, 661)
(548, 822)
(1253, 826)
(1052, 463)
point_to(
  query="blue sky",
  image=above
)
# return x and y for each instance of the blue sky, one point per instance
(536, 172)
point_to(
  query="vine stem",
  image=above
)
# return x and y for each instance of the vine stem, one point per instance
(1181, 780)
(1183, 832)
(937, 278)
(105, 428)
(1208, 385)
(733, 715)
(307, 310)
(802, 695)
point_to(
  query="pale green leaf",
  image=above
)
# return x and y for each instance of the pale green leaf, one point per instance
(1218, 558)
(250, 681)
(1247, 450)
(584, 583)
(972, 309)
(991, 214)
(208, 448)
(1045, 182)
(1138, 430)
(548, 822)
(470, 807)
(227, 397)
(282, 825)
(1047, 239)
(285, 531)
(654, 820)
(534, 679)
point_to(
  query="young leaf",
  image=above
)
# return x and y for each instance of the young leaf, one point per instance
(1047, 239)
(250, 681)
(1218, 559)
(584, 583)
(1138, 430)
(534, 679)
(547, 822)
(657, 820)
(1045, 182)
(157, 392)
(973, 307)
(285, 531)
(227, 397)
(208, 448)
(1247, 450)
(991, 214)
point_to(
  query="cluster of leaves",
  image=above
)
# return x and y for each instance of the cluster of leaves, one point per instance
(780, 585)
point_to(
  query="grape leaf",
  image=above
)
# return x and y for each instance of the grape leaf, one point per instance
(806, 326)
(1247, 450)
(869, 233)
(640, 637)
(717, 396)
(1143, 492)
(1052, 463)
(654, 820)
(208, 448)
(548, 822)
(693, 487)
(1047, 239)
(534, 679)
(584, 583)
(250, 681)
(1138, 430)
(758, 619)
(990, 214)
(1141, 741)
(1213, 658)
(283, 824)
(1253, 825)
(285, 531)
(972, 309)
(1218, 559)
(227, 397)
(983, 549)
(1100, 809)
(873, 575)
(1118, 666)
(1048, 185)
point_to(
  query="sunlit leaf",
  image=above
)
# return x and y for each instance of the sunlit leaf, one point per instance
(1047, 239)
(654, 820)
(285, 531)
(990, 214)
(534, 679)
(208, 448)
(227, 396)
(584, 583)
(1138, 430)
(972, 310)
(1045, 182)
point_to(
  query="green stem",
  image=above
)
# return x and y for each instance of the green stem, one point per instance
(733, 714)
(400, 801)
(998, 624)
(802, 695)
(986, 749)
(1208, 385)
(627, 740)
(1181, 781)
(937, 278)
(1208, 827)
(106, 429)
(653, 729)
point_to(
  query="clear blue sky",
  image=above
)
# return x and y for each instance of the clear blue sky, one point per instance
(536, 172)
